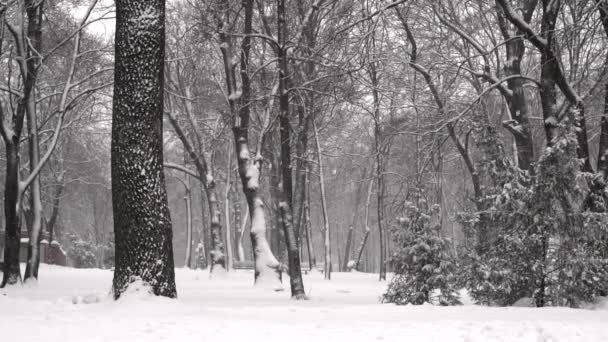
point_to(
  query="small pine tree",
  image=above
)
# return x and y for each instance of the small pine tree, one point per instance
(424, 268)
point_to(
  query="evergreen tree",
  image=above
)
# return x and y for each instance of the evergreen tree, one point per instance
(424, 267)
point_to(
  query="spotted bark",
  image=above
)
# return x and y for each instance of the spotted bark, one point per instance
(142, 224)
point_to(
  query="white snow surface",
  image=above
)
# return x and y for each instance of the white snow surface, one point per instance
(74, 305)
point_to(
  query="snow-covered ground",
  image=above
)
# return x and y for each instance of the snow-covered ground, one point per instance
(73, 305)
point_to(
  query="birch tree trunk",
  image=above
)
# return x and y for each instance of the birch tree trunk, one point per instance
(142, 223)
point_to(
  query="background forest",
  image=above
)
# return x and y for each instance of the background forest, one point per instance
(454, 143)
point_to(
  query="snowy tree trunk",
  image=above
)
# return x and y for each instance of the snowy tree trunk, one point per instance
(218, 258)
(210, 191)
(291, 240)
(295, 271)
(33, 247)
(267, 271)
(142, 223)
(34, 34)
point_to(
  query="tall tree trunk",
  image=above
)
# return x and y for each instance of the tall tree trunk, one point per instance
(35, 236)
(266, 265)
(327, 241)
(12, 214)
(229, 256)
(379, 151)
(291, 240)
(312, 260)
(187, 200)
(596, 199)
(34, 35)
(142, 223)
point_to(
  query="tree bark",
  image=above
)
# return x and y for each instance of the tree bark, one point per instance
(34, 34)
(142, 222)
(291, 240)
(12, 214)
(266, 265)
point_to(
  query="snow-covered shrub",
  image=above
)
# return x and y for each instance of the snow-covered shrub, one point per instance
(424, 268)
(534, 239)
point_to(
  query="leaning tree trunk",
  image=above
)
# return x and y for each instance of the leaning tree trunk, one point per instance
(142, 223)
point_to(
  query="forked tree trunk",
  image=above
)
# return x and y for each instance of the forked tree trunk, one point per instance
(267, 271)
(139, 198)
